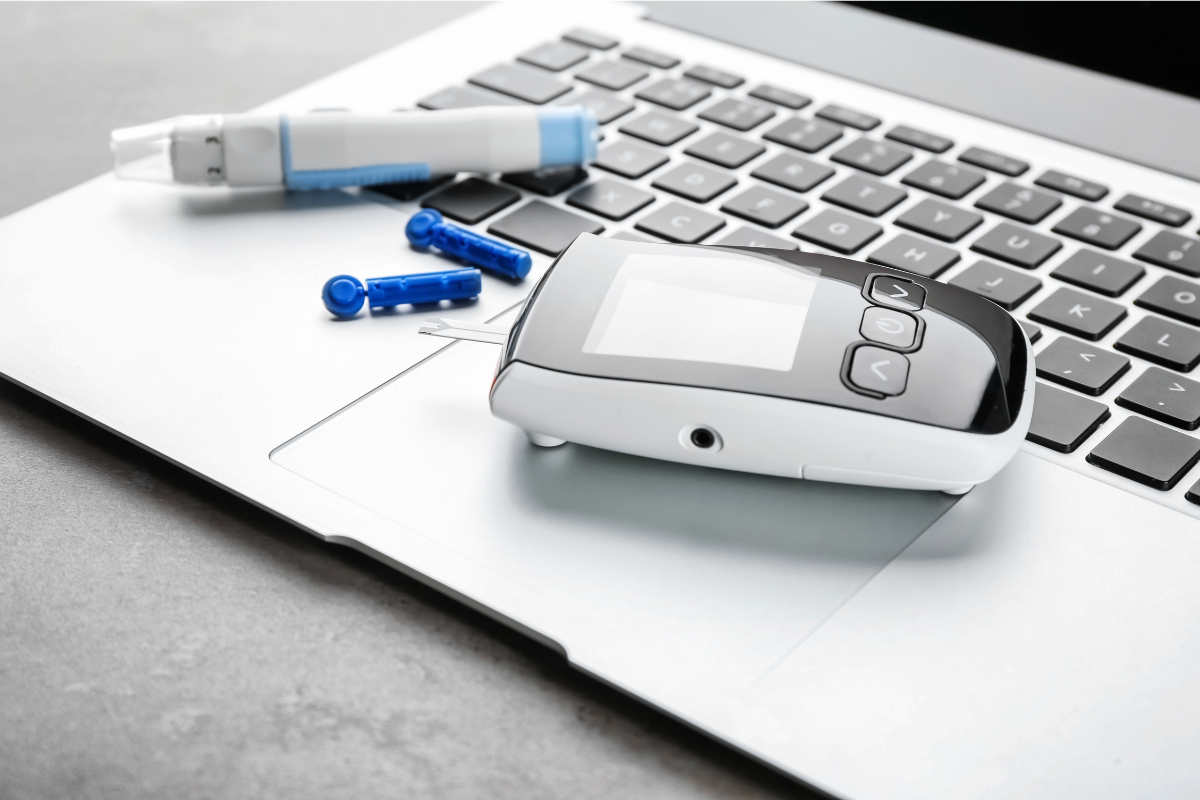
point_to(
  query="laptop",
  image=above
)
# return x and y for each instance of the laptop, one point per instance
(1036, 637)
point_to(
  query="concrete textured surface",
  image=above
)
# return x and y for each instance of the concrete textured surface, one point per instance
(162, 639)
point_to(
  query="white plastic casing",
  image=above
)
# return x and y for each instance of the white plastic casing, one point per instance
(253, 154)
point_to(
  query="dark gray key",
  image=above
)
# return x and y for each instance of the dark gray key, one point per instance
(748, 237)
(915, 255)
(888, 326)
(674, 94)
(896, 292)
(615, 75)
(916, 138)
(676, 222)
(737, 114)
(1100, 273)
(472, 200)
(629, 159)
(409, 190)
(979, 157)
(945, 179)
(596, 41)
(781, 97)
(715, 76)
(464, 97)
(1005, 287)
(659, 128)
(1153, 210)
(1082, 314)
(1172, 251)
(1080, 366)
(847, 116)
(1097, 227)
(1069, 184)
(877, 370)
(1032, 331)
(547, 182)
(1147, 453)
(543, 227)
(793, 172)
(725, 150)
(1019, 203)
(1062, 421)
(1016, 245)
(1174, 297)
(520, 82)
(605, 106)
(764, 206)
(809, 135)
(611, 199)
(1164, 396)
(1167, 343)
(695, 182)
(554, 56)
(630, 236)
(876, 158)
(939, 220)
(864, 195)
(839, 232)
(651, 57)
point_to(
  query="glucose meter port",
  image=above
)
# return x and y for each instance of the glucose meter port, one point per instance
(703, 438)
(700, 438)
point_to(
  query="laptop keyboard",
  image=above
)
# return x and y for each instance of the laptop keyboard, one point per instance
(695, 153)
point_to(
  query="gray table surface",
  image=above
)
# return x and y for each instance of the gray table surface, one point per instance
(160, 638)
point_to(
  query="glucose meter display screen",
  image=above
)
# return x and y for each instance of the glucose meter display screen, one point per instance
(747, 313)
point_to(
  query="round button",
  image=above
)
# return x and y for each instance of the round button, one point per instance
(889, 326)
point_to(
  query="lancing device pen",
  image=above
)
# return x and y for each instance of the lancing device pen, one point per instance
(331, 149)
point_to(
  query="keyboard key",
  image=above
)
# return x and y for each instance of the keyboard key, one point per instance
(839, 232)
(1032, 331)
(1147, 453)
(725, 150)
(409, 190)
(1097, 227)
(1016, 245)
(472, 200)
(1174, 297)
(944, 179)
(939, 220)
(979, 157)
(629, 159)
(543, 227)
(615, 75)
(1165, 343)
(1019, 203)
(610, 199)
(1080, 366)
(654, 59)
(1164, 396)
(676, 222)
(1069, 184)
(1078, 313)
(876, 158)
(793, 172)
(714, 76)
(605, 106)
(764, 206)
(781, 97)
(915, 255)
(809, 135)
(596, 41)
(521, 83)
(674, 94)
(464, 97)
(859, 193)
(1153, 210)
(1063, 421)
(547, 182)
(695, 182)
(1005, 287)
(659, 128)
(921, 139)
(1172, 251)
(1102, 274)
(737, 114)
(846, 116)
(748, 237)
(554, 56)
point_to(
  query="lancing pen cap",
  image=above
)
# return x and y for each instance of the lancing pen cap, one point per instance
(327, 150)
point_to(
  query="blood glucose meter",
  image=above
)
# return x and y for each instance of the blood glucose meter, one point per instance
(770, 361)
